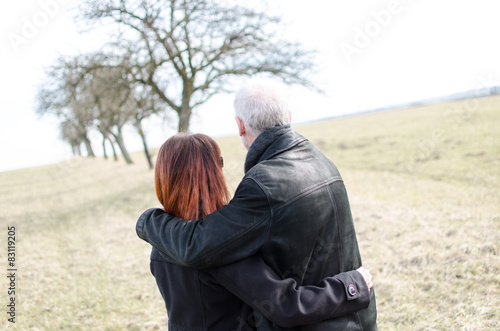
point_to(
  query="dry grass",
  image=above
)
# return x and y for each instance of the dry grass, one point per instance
(423, 185)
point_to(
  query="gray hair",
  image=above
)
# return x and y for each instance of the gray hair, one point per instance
(261, 106)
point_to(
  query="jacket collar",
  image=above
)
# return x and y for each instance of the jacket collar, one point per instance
(271, 142)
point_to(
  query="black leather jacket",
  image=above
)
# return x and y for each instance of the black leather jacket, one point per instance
(291, 206)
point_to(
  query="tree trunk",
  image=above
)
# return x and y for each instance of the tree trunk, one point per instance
(76, 150)
(145, 145)
(88, 146)
(185, 110)
(184, 118)
(115, 156)
(121, 145)
(104, 146)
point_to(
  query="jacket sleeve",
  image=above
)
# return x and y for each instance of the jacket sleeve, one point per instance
(236, 231)
(285, 303)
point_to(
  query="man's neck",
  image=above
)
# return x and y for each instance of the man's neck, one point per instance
(262, 143)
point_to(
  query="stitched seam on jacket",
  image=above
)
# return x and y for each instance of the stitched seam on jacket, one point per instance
(271, 212)
(139, 228)
(202, 307)
(310, 190)
(337, 225)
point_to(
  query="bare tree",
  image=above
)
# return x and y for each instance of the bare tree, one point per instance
(106, 138)
(69, 133)
(145, 100)
(121, 100)
(147, 103)
(110, 93)
(61, 96)
(186, 50)
(100, 92)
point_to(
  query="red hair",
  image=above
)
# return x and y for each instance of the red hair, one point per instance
(188, 176)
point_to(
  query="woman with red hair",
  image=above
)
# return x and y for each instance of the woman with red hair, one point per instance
(190, 184)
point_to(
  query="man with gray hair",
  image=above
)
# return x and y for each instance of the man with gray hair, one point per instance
(291, 206)
(258, 107)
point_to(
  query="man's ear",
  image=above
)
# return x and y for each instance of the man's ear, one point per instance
(241, 126)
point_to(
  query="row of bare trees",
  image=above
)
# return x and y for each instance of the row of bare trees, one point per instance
(166, 55)
(95, 92)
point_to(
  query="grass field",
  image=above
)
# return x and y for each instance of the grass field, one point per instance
(424, 190)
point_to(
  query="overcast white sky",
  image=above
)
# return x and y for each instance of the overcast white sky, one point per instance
(372, 53)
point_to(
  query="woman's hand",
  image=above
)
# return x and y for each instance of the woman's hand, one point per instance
(367, 276)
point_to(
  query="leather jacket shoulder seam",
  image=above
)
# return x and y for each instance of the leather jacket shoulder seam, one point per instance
(310, 190)
(287, 147)
(271, 212)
